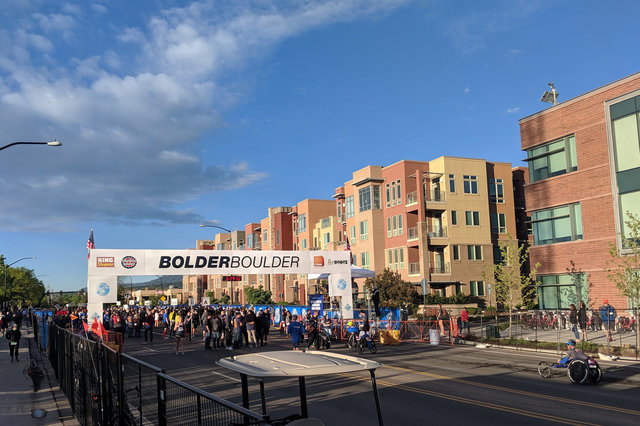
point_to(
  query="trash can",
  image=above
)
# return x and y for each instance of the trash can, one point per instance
(492, 332)
(434, 336)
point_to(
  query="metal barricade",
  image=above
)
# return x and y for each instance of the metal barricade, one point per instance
(183, 404)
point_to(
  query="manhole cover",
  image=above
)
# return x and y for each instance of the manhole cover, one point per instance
(38, 413)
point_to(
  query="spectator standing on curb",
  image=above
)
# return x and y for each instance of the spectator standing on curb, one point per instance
(13, 336)
(582, 319)
(441, 314)
(573, 320)
(608, 314)
(464, 320)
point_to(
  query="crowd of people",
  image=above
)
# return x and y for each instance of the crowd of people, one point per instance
(219, 328)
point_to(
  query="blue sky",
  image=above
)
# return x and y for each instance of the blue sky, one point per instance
(173, 114)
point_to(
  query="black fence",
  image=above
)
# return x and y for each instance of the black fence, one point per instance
(107, 387)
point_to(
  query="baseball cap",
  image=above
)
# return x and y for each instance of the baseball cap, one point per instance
(605, 301)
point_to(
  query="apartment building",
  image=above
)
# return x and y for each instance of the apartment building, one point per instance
(277, 234)
(438, 220)
(315, 227)
(584, 173)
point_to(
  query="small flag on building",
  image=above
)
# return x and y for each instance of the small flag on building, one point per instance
(90, 244)
(347, 247)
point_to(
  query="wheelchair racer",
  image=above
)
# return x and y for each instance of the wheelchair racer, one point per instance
(572, 353)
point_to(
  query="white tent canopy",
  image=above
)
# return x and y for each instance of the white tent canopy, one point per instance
(356, 272)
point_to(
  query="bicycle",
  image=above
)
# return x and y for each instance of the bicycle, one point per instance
(367, 342)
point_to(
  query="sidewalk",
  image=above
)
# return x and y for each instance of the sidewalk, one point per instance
(16, 388)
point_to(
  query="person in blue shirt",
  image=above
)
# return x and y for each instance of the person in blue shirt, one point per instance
(608, 315)
(296, 331)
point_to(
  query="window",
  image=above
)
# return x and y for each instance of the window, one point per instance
(470, 184)
(325, 222)
(327, 237)
(552, 159)
(477, 288)
(398, 192)
(395, 259)
(303, 243)
(264, 236)
(387, 190)
(498, 223)
(474, 252)
(452, 184)
(472, 218)
(348, 206)
(497, 255)
(277, 236)
(369, 198)
(353, 234)
(557, 225)
(456, 252)
(302, 222)
(496, 190)
(625, 119)
(559, 291)
(454, 217)
(394, 226)
(364, 260)
(364, 229)
(339, 212)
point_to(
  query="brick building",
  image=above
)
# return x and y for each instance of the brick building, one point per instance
(584, 174)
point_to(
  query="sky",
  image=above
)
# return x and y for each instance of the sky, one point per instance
(175, 113)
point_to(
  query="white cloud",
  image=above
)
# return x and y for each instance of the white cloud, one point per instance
(513, 110)
(131, 111)
(467, 90)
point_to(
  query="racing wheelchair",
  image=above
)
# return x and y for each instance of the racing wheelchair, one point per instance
(578, 370)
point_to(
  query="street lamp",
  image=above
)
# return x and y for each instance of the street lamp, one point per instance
(6, 267)
(51, 143)
(216, 226)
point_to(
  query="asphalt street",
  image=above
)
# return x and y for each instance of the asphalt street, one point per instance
(419, 384)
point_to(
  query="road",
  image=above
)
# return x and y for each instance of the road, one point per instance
(421, 384)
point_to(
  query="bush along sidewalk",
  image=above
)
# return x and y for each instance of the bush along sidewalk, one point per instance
(587, 347)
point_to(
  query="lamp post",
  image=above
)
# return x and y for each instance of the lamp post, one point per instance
(216, 226)
(6, 267)
(226, 230)
(51, 143)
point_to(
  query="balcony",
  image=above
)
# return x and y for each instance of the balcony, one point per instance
(435, 196)
(412, 233)
(438, 232)
(414, 268)
(412, 198)
(443, 268)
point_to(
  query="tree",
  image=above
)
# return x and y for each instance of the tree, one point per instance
(224, 299)
(23, 287)
(258, 296)
(511, 285)
(392, 289)
(623, 266)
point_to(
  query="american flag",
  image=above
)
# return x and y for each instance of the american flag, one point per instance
(347, 247)
(90, 244)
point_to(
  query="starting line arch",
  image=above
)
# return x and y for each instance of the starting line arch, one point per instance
(105, 265)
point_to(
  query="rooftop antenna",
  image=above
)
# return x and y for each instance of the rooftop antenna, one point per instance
(550, 96)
